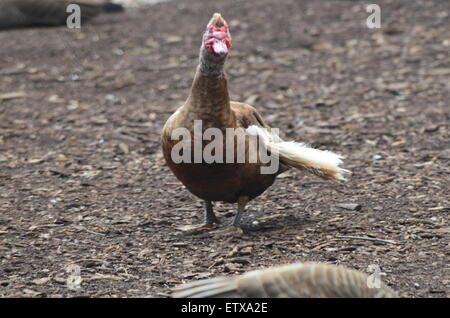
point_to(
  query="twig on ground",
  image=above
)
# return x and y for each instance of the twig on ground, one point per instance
(366, 238)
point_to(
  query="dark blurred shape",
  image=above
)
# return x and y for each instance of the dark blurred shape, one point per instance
(113, 7)
(29, 13)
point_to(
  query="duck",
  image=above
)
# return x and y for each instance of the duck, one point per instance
(244, 155)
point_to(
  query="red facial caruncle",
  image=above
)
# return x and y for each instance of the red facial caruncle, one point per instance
(217, 39)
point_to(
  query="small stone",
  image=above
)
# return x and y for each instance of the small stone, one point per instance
(229, 267)
(377, 157)
(41, 281)
(247, 250)
(350, 206)
(60, 280)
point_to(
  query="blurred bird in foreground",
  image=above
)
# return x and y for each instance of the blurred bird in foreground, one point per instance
(209, 103)
(301, 280)
(27, 13)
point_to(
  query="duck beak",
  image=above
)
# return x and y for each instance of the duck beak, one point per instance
(217, 20)
(220, 47)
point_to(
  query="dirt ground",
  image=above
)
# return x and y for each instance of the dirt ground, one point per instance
(83, 181)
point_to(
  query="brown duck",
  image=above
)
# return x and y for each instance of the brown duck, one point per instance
(232, 176)
(301, 280)
(26, 13)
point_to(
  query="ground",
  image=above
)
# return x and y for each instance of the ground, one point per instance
(83, 181)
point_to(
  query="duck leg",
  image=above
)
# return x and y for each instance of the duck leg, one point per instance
(242, 202)
(234, 226)
(209, 219)
(209, 216)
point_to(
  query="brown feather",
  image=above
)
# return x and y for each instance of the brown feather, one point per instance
(301, 280)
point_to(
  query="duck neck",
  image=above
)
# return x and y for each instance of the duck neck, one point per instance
(209, 98)
(211, 65)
